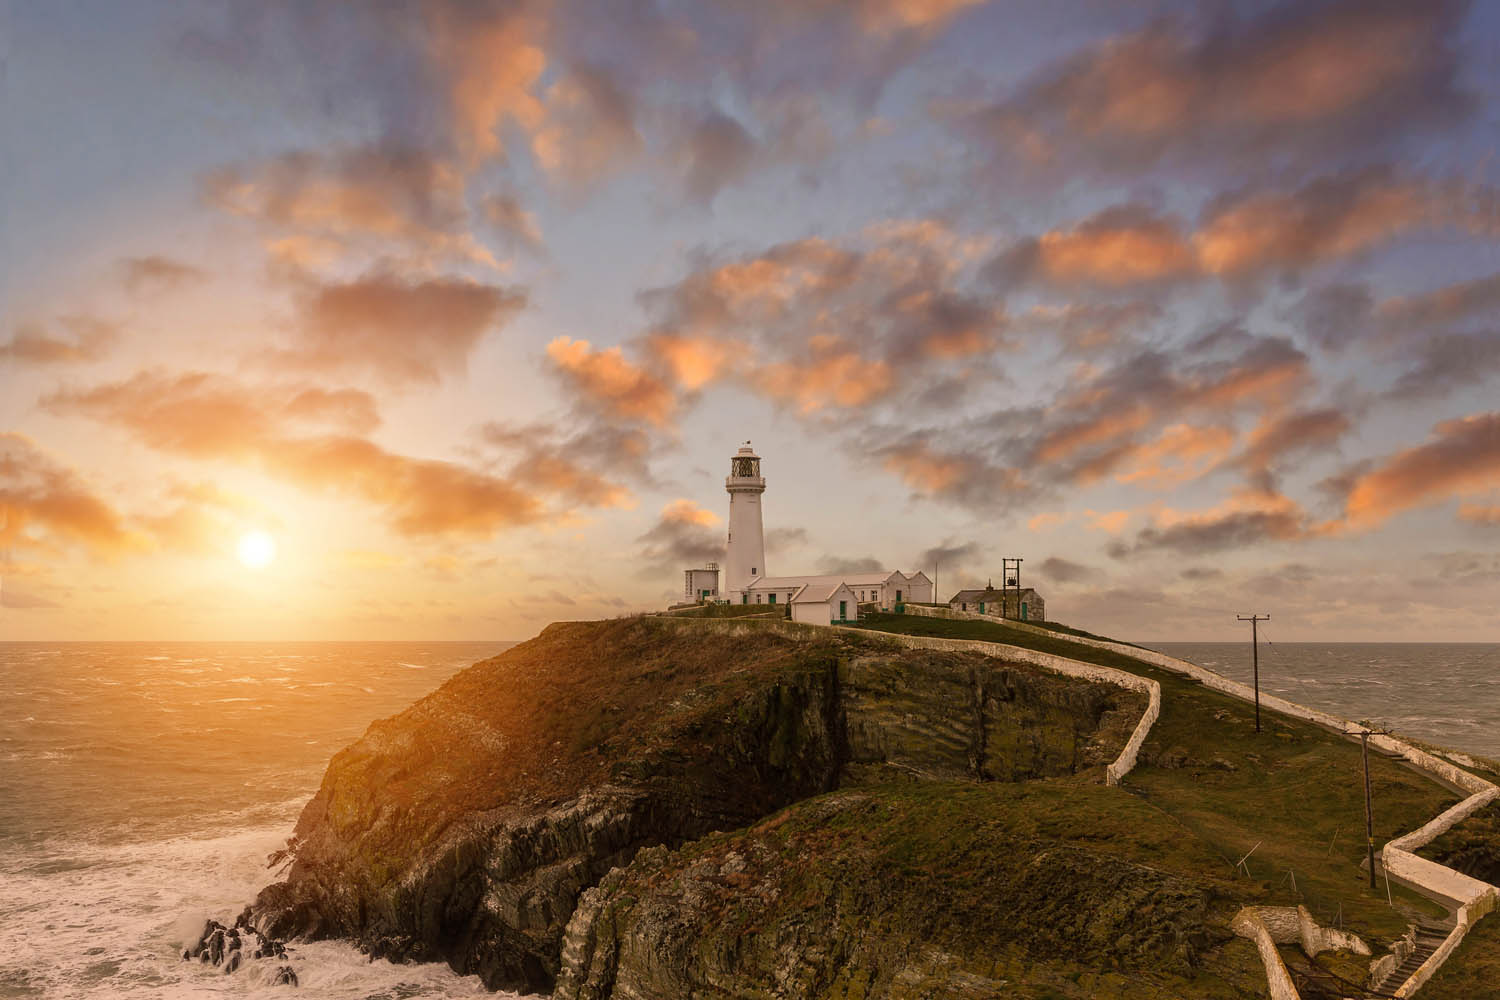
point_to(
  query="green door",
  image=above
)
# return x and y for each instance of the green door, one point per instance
(1023, 611)
(772, 599)
(843, 611)
(981, 607)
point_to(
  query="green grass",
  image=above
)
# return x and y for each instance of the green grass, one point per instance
(1292, 793)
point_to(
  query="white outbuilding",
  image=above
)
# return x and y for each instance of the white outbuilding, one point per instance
(824, 604)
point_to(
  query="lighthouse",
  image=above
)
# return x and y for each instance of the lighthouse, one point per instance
(746, 556)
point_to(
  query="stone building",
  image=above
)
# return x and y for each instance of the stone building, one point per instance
(1023, 605)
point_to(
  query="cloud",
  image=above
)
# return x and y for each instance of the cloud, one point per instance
(824, 327)
(843, 566)
(590, 465)
(158, 273)
(1480, 514)
(1277, 439)
(19, 600)
(589, 129)
(1066, 571)
(506, 214)
(607, 380)
(1416, 315)
(45, 504)
(1180, 454)
(1334, 316)
(1461, 458)
(1332, 216)
(1250, 518)
(711, 152)
(780, 540)
(213, 417)
(1238, 88)
(1127, 245)
(960, 477)
(684, 535)
(1199, 573)
(88, 339)
(1449, 361)
(381, 197)
(405, 331)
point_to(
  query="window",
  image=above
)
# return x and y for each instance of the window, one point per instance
(898, 596)
(757, 598)
(744, 598)
(752, 570)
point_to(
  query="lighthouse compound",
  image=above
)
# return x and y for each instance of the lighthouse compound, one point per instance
(745, 578)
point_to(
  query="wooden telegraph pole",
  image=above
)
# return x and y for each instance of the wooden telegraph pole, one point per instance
(1364, 752)
(1254, 621)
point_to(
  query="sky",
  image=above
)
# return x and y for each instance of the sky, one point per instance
(441, 320)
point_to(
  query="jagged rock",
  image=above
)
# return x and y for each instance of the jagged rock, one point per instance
(466, 829)
(285, 976)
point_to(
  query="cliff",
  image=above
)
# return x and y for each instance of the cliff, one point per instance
(466, 829)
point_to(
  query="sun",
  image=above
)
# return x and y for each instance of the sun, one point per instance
(257, 549)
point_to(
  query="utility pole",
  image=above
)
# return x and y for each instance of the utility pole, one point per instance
(1254, 621)
(1364, 753)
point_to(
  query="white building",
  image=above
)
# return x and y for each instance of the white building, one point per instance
(701, 586)
(822, 598)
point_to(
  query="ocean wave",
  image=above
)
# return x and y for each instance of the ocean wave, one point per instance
(100, 921)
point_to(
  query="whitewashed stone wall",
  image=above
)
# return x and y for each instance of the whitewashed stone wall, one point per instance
(1248, 924)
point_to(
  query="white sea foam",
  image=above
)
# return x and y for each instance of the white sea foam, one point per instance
(94, 921)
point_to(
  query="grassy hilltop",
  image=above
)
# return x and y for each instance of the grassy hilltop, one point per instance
(650, 807)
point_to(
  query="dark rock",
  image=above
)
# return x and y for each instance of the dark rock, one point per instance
(285, 976)
(466, 829)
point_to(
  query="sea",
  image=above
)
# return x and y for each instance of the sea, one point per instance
(143, 786)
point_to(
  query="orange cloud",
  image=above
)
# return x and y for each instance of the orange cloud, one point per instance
(1463, 458)
(44, 504)
(1299, 75)
(683, 511)
(1329, 218)
(605, 378)
(406, 331)
(1479, 514)
(90, 340)
(842, 379)
(1182, 452)
(492, 59)
(693, 361)
(1047, 521)
(1123, 246)
(389, 196)
(212, 417)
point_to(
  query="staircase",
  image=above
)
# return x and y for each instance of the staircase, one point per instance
(1428, 937)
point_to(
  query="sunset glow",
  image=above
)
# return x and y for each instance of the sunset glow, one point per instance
(257, 549)
(459, 306)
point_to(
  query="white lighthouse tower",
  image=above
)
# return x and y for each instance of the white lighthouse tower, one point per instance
(746, 557)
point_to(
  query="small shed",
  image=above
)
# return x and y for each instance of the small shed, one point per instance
(825, 604)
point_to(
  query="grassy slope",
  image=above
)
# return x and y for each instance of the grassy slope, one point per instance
(1294, 789)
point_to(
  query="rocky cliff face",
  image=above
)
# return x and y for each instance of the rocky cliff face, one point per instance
(466, 828)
